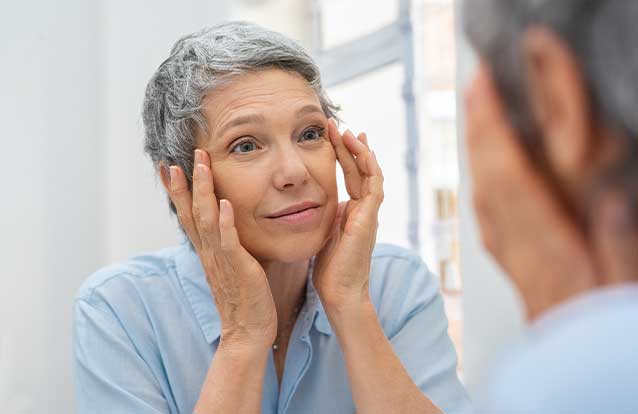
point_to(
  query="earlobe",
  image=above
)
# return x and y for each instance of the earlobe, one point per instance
(559, 101)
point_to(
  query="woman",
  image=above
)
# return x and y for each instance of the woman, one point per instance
(279, 301)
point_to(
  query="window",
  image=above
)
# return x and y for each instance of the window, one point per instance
(391, 66)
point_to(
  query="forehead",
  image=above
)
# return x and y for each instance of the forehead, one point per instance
(259, 91)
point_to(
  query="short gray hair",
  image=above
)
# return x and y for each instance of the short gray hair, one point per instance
(202, 61)
(602, 34)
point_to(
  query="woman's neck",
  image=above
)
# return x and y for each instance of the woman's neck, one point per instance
(288, 286)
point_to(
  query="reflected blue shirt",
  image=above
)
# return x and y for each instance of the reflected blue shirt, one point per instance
(146, 331)
(579, 358)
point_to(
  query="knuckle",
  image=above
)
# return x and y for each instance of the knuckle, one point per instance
(197, 211)
(206, 223)
(179, 192)
(378, 196)
(183, 217)
(203, 221)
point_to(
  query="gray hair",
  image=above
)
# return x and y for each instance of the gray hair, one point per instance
(198, 64)
(602, 34)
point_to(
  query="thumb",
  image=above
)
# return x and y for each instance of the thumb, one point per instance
(229, 239)
(340, 218)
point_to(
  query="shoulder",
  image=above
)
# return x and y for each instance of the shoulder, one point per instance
(135, 276)
(401, 285)
(400, 270)
(591, 349)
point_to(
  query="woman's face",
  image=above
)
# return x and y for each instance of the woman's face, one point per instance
(270, 151)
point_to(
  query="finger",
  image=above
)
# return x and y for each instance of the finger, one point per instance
(363, 137)
(205, 210)
(358, 150)
(343, 212)
(366, 221)
(371, 169)
(616, 235)
(181, 197)
(236, 259)
(375, 182)
(354, 145)
(351, 174)
(229, 239)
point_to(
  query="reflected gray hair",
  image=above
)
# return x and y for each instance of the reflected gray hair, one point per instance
(602, 35)
(198, 64)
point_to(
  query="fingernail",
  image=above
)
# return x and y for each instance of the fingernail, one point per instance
(222, 207)
(198, 172)
(172, 175)
(198, 156)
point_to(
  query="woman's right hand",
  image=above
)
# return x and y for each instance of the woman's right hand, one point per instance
(237, 280)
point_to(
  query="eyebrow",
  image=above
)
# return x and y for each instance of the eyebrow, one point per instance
(308, 109)
(241, 120)
(259, 119)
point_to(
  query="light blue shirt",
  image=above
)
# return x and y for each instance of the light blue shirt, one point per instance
(580, 358)
(147, 330)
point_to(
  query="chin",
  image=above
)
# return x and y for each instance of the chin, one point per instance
(299, 251)
(293, 249)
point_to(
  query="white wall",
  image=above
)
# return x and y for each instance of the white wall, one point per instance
(77, 192)
(491, 310)
(138, 37)
(49, 106)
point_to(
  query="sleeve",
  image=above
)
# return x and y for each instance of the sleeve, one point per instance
(110, 375)
(419, 334)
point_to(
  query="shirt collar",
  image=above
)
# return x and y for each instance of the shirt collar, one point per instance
(314, 305)
(193, 281)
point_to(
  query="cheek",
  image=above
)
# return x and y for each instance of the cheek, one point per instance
(324, 168)
(242, 187)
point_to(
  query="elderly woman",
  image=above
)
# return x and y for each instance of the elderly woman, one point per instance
(278, 301)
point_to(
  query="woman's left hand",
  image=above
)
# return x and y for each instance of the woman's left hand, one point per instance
(342, 267)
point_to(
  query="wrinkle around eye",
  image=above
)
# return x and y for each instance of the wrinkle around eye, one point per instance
(241, 141)
(319, 131)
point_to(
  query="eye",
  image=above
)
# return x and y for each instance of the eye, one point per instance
(244, 146)
(312, 134)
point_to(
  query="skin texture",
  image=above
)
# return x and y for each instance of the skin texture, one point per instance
(257, 269)
(550, 231)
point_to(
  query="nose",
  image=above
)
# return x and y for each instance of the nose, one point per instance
(290, 169)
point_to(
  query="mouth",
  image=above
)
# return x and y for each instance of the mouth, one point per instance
(294, 209)
(304, 214)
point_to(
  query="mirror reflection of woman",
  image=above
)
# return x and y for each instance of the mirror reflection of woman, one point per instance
(278, 300)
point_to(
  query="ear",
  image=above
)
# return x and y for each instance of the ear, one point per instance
(560, 103)
(165, 176)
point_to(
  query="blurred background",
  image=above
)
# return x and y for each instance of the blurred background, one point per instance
(78, 192)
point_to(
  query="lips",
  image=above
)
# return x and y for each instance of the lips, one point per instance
(296, 208)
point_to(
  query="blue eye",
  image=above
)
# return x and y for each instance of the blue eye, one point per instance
(312, 134)
(244, 147)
